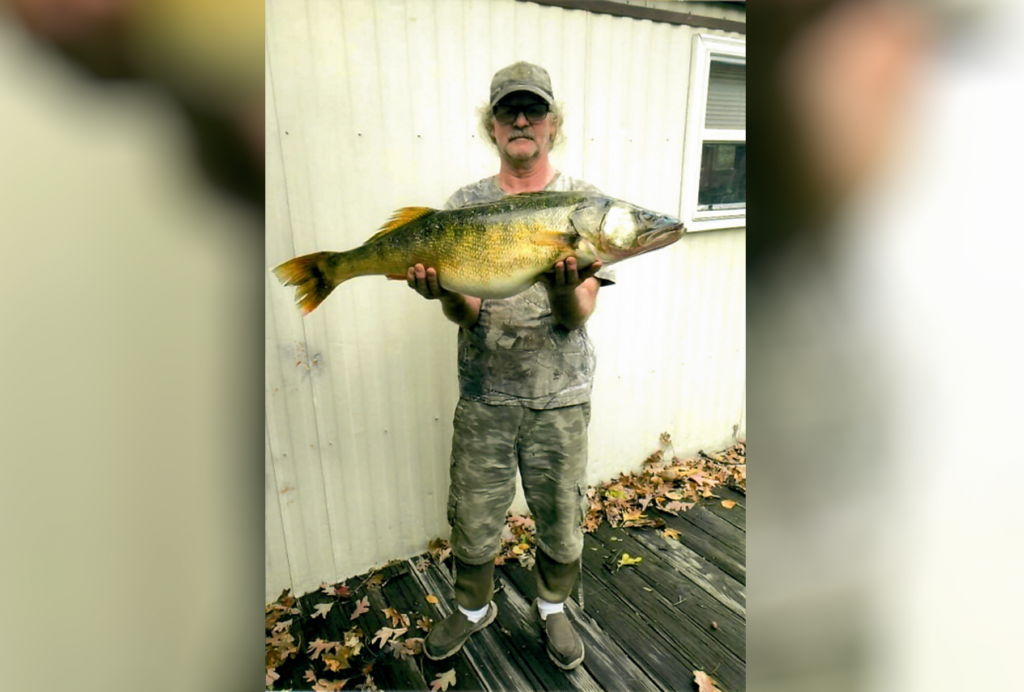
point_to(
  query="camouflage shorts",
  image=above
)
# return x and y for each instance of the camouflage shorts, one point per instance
(549, 447)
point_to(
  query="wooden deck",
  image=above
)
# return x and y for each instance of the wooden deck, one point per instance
(646, 626)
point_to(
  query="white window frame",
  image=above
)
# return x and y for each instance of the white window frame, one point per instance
(705, 49)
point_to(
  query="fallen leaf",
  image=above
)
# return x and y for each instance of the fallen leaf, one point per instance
(338, 660)
(414, 645)
(282, 626)
(728, 504)
(362, 606)
(424, 623)
(271, 676)
(318, 646)
(322, 610)
(395, 617)
(310, 676)
(431, 599)
(385, 633)
(397, 649)
(670, 533)
(627, 560)
(342, 591)
(352, 641)
(443, 681)
(704, 682)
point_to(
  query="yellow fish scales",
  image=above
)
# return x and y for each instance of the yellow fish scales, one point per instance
(492, 250)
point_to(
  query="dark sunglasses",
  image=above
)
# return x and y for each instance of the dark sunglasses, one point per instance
(534, 112)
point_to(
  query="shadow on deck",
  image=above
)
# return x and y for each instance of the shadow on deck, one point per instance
(646, 626)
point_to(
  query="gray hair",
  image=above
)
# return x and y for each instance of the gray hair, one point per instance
(485, 118)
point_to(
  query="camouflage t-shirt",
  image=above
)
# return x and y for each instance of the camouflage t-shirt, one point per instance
(517, 353)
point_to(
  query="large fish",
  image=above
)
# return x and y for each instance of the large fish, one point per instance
(492, 250)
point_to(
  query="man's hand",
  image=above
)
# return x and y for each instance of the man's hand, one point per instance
(565, 276)
(460, 309)
(572, 292)
(424, 281)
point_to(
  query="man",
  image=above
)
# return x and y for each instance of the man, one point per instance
(525, 374)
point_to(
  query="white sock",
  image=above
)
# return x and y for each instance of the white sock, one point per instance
(474, 616)
(546, 608)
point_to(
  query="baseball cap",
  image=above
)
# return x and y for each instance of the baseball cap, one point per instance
(522, 76)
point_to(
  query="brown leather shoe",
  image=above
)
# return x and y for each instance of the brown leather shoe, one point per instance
(565, 648)
(448, 636)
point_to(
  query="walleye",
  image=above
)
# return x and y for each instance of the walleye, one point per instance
(491, 250)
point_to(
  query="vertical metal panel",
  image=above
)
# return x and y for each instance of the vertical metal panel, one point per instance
(372, 106)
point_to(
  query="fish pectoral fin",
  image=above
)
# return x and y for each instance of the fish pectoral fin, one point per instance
(400, 218)
(552, 239)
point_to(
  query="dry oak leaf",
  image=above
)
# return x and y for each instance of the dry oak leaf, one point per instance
(322, 610)
(728, 504)
(431, 599)
(670, 533)
(282, 626)
(385, 633)
(424, 623)
(310, 676)
(443, 681)
(271, 676)
(362, 606)
(396, 617)
(339, 660)
(318, 646)
(704, 682)
(328, 686)
(340, 590)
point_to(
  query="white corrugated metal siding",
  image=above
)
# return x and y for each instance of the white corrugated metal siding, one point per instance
(370, 107)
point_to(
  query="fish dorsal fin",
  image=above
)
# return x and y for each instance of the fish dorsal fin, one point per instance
(400, 218)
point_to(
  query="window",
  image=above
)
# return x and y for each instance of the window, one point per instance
(715, 161)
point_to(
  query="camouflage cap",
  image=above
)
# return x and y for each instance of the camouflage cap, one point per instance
(522, 76)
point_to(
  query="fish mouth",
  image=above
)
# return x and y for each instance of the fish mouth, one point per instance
(660, 237)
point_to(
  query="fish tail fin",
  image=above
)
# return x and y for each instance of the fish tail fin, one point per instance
(314, 277)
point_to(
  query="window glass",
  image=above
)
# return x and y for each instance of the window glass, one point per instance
(723, 175)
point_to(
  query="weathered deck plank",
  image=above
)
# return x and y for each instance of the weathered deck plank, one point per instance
(676, 591)
(727, 590)
(691, 642)
(715, 526)
(737, 516)
(729, 560)
(635, 634)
